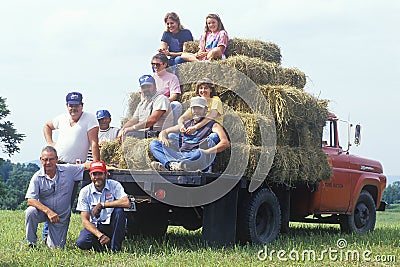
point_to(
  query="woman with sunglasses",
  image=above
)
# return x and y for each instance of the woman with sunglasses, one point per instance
(167, 83)
(174, 38)
(213, 41)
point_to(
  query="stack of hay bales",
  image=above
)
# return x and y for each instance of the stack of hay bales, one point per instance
(295, 117)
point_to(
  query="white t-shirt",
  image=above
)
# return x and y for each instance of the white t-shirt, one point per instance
(73, 142)
(108, 135)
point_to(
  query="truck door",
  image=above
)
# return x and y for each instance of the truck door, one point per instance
(335, 192)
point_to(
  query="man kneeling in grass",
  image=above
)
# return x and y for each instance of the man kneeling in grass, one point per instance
(101, 205)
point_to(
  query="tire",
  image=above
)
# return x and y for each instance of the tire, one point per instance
(363, 218)
(259, 218)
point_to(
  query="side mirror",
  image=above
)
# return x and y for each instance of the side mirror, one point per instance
(357, 135)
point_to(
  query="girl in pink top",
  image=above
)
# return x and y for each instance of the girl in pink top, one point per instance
(213, 41)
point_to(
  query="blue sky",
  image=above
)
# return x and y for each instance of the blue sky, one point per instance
(349, 51)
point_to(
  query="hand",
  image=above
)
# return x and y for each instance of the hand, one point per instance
(96, 210)
(53, 217)
(163, 140)
(182, 129)
(103, 239)
(190, 130)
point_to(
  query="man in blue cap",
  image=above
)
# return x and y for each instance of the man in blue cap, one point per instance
(107, 133)
(77, 132)
(152, 115)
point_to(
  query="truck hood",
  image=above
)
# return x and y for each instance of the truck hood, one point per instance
(363, 164)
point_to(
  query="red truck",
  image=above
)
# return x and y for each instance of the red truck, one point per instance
(350, 198)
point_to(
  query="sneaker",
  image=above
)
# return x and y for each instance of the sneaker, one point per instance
(175, 166)
(31, 245)
(158, 166)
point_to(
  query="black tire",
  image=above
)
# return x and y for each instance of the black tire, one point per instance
(259, 218)
(363, 218)
(146, 224)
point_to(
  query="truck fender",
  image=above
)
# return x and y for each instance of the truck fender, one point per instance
(368, 182)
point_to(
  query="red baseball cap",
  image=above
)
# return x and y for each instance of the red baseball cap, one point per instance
(98, 166)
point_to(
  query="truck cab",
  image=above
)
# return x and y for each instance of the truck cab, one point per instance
(354, 191)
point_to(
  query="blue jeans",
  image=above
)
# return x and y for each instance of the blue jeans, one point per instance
(115, 230)
(192, 160)
(176, 110)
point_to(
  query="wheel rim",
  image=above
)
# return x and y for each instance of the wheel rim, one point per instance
(263, 220)
(361, 215)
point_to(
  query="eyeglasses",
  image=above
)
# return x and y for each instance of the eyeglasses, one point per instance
(48, 159)
(156, 64)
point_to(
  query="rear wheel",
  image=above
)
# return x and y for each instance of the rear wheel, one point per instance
(363, 217)
(259, 218)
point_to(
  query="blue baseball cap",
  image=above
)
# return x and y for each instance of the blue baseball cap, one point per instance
(74, 98)
(146, 79)
(103, 114)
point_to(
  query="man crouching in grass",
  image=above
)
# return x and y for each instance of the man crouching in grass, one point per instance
(101, 205)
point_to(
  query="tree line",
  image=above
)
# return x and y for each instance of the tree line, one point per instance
(14, 181)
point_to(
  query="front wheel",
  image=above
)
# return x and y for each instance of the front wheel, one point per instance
(363, 218)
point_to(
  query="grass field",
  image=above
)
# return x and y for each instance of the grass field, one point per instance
(183, 248)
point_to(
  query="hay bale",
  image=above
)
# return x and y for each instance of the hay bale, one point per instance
(132, 153)
(290, 164)
(265, 51)
(111, 154)
(238, 71)
(137, 154)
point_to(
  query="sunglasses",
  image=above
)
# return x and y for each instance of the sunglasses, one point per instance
(156, 64)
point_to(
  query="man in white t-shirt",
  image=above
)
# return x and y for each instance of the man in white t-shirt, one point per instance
(152, 115)
(77, 132)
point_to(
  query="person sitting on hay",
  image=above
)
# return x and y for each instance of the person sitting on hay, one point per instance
(213, 42)
(195, 151)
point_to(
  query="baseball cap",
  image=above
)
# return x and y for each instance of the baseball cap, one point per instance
(198, 101)
(74, 98)
(146, 79)
(103, 114)
(98, 166)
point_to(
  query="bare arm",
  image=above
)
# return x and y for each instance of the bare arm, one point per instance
(93, 135)
(212, 116)
(173, 97)
(53, 217)
(48, 133)
(223, 143)
(128, 124)
(154, 117)
(118, 203)
(85, 217)
(164, 50)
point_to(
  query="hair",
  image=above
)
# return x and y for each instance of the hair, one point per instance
(50, 149)
(209, 84)
(218, 19)
(162, 57)
(173, 16)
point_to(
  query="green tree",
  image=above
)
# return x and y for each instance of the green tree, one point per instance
(392, 193)
(9, 138)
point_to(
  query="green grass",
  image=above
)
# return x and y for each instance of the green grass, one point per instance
(183, 248)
